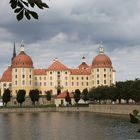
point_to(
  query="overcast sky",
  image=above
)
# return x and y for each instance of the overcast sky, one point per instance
(70, 29)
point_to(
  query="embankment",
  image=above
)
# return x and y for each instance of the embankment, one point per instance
(109, 109)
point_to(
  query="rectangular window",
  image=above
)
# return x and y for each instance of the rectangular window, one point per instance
(23, 82)
(30, 83)
(50, 83)
(72, 83)
(77, 83)
(35, 83)
(98, 82)
(44, 83)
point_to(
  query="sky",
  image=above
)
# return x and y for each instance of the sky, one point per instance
(71, 29)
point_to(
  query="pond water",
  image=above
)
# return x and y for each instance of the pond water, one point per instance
(66, 126)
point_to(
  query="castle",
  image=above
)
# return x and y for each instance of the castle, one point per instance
(57, 77)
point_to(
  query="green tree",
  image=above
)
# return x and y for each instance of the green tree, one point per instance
(23, 8)
(48, 95)
(6, 96)
(21, 96)
(34, 95)
(68, 98)
(77, 95)
(85, 94)
(136, 91)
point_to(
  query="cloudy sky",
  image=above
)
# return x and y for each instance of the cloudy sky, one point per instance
(70, 29)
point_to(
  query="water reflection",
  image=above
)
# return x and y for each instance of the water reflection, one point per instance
(65, 126)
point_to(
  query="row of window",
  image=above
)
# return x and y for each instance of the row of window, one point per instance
(104, 70)
(58, 72)
(105, 82)
(66, 84)
(23, 76)
(77, 78)
(23, 70)
(23, 83)
(99, 76)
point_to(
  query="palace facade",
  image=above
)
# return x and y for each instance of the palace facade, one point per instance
(21, 74)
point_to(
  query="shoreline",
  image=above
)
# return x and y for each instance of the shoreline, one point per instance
(100, 109)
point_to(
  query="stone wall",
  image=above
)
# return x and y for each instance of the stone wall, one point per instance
(109, 109)
(113, 109)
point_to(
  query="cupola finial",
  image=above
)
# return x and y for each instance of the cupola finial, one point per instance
(22, 46)
(101, 48)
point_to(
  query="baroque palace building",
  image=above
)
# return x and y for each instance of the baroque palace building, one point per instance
(57, 77)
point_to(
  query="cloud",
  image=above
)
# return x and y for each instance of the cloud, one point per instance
(70, 29)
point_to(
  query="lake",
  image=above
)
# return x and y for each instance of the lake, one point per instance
(66, 126)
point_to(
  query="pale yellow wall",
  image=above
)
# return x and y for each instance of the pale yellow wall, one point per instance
(20, 82)
(99, 74)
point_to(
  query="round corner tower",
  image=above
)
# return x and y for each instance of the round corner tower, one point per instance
(22, 72)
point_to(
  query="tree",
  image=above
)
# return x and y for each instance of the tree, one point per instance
(77, 95)
(68, 98)
(34, 95)
(85, 94)
(6, 96)
(21, 96)
(22, 8)
(48, 95)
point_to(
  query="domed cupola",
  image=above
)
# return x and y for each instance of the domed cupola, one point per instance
(22, 60)
(101, 60)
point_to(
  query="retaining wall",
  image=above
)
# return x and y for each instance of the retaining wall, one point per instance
(114, 109)
(109, 109)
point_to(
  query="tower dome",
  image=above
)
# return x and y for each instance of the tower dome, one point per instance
(7, 75)
(101, 60)
(22, 60)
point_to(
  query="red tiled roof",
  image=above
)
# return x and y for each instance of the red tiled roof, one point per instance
(101, 61)
(64, 94)
(83, 66)
(40, 71)
(7, 75)
(57, 65)
(22, 60)
(80, 71)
